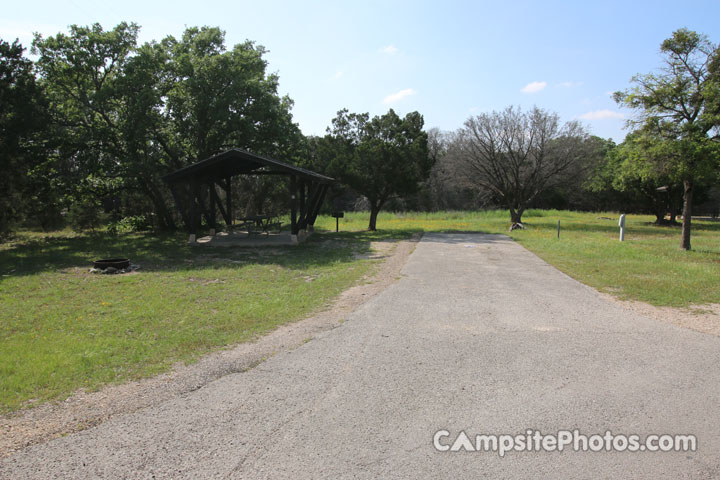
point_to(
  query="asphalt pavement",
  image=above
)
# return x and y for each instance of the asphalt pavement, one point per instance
(477, 336)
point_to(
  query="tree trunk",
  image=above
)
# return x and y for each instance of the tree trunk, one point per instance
(166, 219)
(687, 212)
(660, 208)
(374, 210)
(516, 215)
(660, 213)
(164, 216)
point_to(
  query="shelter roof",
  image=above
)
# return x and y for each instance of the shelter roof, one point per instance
(241, 162)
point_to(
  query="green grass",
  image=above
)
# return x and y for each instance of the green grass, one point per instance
(62, 328)
(649, 266)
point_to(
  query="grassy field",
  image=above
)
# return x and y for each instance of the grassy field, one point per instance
(62, 328)
(649, 266)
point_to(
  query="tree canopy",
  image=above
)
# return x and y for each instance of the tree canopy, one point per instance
(128, 114)
(640, 186)
(378, 157)
(515, 156)
(677, 123)
(22, 120)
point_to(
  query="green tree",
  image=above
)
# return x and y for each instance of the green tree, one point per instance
(83, 73)
(380, 158)
(22, 119)
(634, 182)
(128, 114)
(219, 99)
(677, 123)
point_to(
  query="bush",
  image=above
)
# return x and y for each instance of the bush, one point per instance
(136, 223)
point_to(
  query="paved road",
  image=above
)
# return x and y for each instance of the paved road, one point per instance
(479, 335)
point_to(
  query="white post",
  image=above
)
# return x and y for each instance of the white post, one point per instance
(621, 223)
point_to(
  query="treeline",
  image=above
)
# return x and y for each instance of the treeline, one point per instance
(89, 128)
(607, 179)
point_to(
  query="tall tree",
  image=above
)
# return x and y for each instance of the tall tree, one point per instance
(22, 118)
(678, 114)
(219, 99)
(84, 75)
(379, 158)
(635, 185)
(515, 156)
(128, 114)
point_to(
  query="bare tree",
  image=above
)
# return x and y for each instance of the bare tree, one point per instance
(515, 156)
(447, 187)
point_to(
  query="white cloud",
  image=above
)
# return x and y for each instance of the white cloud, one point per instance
(601, 115)
(394, 97)
(533, 87)
(570, 84)
(390, 50)
(338, 75)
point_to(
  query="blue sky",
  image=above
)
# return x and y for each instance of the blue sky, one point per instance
(448, 60)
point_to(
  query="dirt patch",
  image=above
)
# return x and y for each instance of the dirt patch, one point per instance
(86, 409)
(701, 318)
(378, 250)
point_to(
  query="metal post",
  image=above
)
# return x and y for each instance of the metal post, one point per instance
(337, 224)
(621, 223)
(558, 230)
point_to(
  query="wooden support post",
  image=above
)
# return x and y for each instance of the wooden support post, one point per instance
(204, 211)
(312, 214)
(301, 187)
(219, 204)
(213, 211)
(312, 201)
(194, 211)
(228, 199)
(181, 204)
(308, 205)
(293, 205)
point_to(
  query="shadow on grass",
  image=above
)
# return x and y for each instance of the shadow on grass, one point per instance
(170, 252)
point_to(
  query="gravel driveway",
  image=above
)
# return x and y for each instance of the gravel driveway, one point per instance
(478, 335)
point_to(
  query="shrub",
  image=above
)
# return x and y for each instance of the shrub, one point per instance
(135, 223)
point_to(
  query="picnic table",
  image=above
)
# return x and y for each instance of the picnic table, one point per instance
(260, 224)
